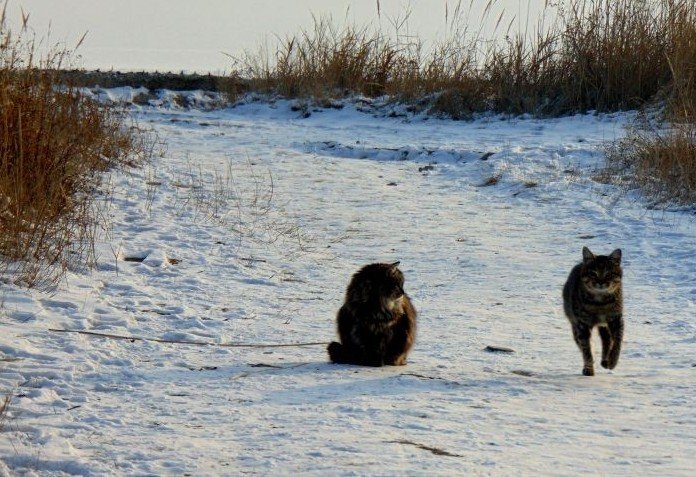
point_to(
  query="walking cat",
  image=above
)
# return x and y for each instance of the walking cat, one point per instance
(377, 322)
(592, 297)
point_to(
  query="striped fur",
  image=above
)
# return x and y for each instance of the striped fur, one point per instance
(592, 297)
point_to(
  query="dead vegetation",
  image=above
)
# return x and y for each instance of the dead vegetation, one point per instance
(659, 154)
(240, 196)
(661, 160)
(54, 144)
(582, 55)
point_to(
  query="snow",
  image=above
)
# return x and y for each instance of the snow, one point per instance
(247, 230)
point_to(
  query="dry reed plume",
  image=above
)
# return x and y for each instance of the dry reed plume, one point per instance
(603, 55)
(53, 146)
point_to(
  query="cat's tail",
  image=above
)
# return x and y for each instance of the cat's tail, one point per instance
(337, 352)
(342, 354)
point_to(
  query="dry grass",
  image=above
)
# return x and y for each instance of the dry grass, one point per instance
(326, 61)
(659, 156)
(594, 54)
(54, 145)
(240, 196)
(661, 161)
(603, 55)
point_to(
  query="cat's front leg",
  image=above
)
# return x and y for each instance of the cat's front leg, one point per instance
(607, 344)
(616, 327)
(581, 333)
(400, 343)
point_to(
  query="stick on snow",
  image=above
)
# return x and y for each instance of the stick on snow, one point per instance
(188, 342)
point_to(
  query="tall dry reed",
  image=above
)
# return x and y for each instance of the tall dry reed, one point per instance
(54, 144)
(581, 55)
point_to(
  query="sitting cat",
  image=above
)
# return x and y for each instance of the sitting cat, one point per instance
(592, 297)
(377, 322)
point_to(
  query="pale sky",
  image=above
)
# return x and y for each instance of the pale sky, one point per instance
(193, 35)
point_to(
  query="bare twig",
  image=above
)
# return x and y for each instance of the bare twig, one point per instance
(188, 342)
(434, 450)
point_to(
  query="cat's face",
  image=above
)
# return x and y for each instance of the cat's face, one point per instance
(381, 282)
(392, 286)
(601, 274)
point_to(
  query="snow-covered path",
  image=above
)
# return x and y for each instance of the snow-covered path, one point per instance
(484, 265)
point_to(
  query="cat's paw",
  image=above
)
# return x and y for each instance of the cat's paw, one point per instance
(605, 364)
(336, 352)
(586, 371)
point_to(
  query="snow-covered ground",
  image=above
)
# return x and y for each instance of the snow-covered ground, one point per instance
(248, 229)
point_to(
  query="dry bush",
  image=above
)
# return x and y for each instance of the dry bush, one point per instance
(54, 144)
(523, 77)
(613, 53)
(603, 55)
(661, 161)
(660, 157)
(583, 54)
(325, 61)
(682, 62)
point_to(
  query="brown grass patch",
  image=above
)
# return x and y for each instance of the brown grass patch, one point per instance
(491, 181)
(582, 55)
(55, 143)
(603, 55)
(662, 162)
(661, 157)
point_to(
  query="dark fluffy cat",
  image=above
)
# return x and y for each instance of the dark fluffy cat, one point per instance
(592, 297)
(377, 322)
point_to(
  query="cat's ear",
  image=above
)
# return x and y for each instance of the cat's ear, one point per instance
(394, 272)
(616, 256)
(587, 256)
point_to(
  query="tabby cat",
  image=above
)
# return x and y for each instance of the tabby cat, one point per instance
(377, 322)
(592, 297)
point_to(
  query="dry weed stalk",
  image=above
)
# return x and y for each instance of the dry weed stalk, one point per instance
(54, 144)
(240, 197)
(582, 55)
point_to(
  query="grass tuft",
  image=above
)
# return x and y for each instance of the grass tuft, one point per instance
(54, 144)
(661, 161)
(583, 55)
(4, 408)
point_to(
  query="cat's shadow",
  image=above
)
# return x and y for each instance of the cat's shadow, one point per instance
(343, 383)
(340, 382)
